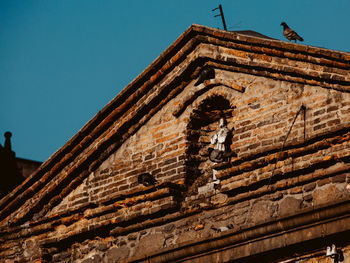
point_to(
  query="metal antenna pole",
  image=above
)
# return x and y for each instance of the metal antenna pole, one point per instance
(222, 16)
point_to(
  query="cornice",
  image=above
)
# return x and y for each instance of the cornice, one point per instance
(268, 238)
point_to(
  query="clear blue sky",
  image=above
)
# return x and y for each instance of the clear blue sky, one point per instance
(61, 61)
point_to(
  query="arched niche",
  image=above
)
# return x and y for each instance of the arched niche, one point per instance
(202, 125)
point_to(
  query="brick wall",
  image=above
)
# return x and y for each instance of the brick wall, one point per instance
(260, 119)
(157, 148)
(311, 170)
(98, 211)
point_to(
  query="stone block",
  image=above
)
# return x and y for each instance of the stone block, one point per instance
(31, 249)
(206, 188)
(329, 194)
(169, 228)
(115, 254)
(150, 243)
(260, 211)
(102, 246)
(185, 237)
(289, 205)
(218, 199)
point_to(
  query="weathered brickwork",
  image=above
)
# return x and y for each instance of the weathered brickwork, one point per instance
(283, 188)
(157, 148)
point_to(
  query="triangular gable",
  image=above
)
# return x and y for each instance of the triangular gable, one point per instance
(159, 83)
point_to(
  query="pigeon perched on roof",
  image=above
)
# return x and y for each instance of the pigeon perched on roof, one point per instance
(146, 179)
(290, 34)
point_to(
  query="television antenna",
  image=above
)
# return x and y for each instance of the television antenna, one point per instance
(222, 16)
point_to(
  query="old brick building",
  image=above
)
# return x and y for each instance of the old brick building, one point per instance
(13, 170)
(248, 139)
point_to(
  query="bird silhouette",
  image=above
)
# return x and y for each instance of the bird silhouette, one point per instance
(206, 73)
(290, 34)
(146, 179)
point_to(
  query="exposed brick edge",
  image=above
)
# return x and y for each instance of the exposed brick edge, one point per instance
(118, 218)
(262, 162)
(277, 44)
(264, 50)
(117, 201)
(274, 73)
(285, 183)
(135, 90)
(95, 215)
(294, 148)
(202, 88)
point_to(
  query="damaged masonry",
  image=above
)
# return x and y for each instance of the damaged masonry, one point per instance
(175, 169)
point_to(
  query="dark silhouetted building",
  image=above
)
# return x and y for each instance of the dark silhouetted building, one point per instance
(13, 170)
